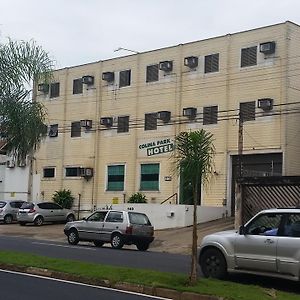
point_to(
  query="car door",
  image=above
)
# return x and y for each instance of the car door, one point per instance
(92, 227)
(113, 223)
(256, 248)
(45, 211)
(56, 212)
(288, 249)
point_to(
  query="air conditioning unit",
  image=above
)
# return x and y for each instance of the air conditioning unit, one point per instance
(190, 112)
(267, 48)
(265, 103)
(166, 66)
(86, 172)
(53, 132)
(88, 80)
(164, 115)
(191, 61)
(86, 123)
(10, 164)
(43, 87)
(106, 121)
(108, 76)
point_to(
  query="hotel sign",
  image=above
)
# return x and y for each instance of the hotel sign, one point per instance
(155, 147)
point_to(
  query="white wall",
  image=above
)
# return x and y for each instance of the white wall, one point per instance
(172, 215)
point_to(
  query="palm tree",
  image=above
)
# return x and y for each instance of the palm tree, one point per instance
(22, 120)
(193, 157)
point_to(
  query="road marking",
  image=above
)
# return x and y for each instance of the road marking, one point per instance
(65, 246)
(83, 284)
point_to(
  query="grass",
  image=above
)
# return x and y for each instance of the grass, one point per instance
(228, 290)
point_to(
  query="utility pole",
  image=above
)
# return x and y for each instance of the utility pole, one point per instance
(238, 186)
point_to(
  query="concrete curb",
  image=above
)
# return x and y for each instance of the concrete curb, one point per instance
(149, 290)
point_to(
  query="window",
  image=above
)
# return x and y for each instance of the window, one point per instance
(249, 57)
(75, 129)
(123, 124)
(152, 73)
(138, 218)
(98, 216)
(115, 178)
(292, 226)
(149, 177)
(125, 77)
(54, 90)
(77, 86)
(16, 204)
(211, 63)
(247, 111)
(151, 121)
(115, 217)
(72, 172)
(49, 172)
(53, 131)
(210, 115)
(265, 224)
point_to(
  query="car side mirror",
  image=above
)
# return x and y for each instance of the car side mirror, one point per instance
(242, 230)
(84, 218)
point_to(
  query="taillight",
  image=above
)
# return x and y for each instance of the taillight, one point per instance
(128, 230)
(32, 210)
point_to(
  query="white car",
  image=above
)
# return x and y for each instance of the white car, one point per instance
(269, 244)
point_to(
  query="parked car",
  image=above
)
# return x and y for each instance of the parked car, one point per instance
(41, 212)
(112, 226)
(269, 244)
(9, 210)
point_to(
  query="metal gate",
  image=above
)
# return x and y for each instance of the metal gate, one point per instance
(268, 192)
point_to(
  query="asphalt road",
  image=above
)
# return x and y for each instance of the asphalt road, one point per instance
(164, 262)
(16, 285)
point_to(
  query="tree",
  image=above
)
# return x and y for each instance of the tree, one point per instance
(137, 198)
(193, 157)
(22, 120)
(64, 198)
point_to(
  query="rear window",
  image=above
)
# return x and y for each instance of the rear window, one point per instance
(139, 219)
(2, 204)
(27, 205)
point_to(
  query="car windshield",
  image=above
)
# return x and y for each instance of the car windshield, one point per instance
(139, 219)
(2, 204)
(27, 205)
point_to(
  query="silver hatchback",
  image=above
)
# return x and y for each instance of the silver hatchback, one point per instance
(269, 244)
(41, 212)
(111, 226)
(9, 210)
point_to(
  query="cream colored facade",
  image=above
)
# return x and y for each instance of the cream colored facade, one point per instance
(274, 76)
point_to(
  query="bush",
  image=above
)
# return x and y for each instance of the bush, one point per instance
(137, 198)
(64, 198)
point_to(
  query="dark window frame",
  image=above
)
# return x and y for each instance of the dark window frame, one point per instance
(75, 129)
(124, 78)
(52, 169)
(72, 172)
(210, 115)
(151, 178)
(211, 63)
(53, 128)
(77, 86)
(249, 56)
(117, 178)
(123, 124)
(150, 121)
(152, 73)
(247, 111)
(54, 89)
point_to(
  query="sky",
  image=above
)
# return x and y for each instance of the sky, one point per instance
(75, 32)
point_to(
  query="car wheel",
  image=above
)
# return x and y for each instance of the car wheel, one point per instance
(73, 237)
(70, 218)
(117, 241)
(142, 246)
(38, 221)
(98, 243)
(213, 264)
(8, 219)
(22, 223)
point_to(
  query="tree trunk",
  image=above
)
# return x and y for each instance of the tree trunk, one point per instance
(193, 274)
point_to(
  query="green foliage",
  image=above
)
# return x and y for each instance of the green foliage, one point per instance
(21, 119)
(64, 198)
(137, 198)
